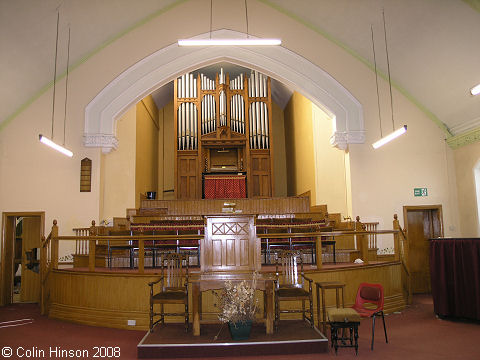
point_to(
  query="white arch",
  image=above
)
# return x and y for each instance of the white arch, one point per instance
(166, 64)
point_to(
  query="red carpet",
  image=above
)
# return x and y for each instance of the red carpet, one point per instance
(414, 334)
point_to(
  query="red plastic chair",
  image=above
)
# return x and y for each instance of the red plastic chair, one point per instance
(372, 296)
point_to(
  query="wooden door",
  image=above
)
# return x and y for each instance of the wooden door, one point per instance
(422, 223)
(187, 176)
(31, 243)
(29, 238)
(261, 177)
(8, 254)
(229, 244)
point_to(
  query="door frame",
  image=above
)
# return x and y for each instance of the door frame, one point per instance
(439, 216)
(6, 278)
(407, 208)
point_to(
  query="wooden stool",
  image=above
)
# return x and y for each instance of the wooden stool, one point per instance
(321, 287)
(345, 319)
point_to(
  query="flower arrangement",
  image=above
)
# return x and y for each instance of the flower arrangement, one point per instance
(386, 251)
(237, 302)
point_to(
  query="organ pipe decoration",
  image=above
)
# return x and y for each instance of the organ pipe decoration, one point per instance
(227, 117)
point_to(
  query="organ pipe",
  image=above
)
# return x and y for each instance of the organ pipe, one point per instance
(232, 103)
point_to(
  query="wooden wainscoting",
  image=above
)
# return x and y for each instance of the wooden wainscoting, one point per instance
(111, 299)
(280, 205)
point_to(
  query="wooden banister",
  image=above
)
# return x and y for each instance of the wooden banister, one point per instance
(54, 239)
(47, 253)
(362, 240)
(91, 247)
(401, 253)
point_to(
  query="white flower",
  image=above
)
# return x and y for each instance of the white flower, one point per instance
(237, 301)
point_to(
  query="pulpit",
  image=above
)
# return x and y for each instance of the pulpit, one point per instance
(230, 244)
(230, 251)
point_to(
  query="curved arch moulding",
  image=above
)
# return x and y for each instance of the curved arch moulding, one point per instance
(278, 62)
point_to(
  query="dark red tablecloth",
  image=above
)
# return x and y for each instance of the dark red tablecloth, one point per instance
(224, 187)
(455, 275)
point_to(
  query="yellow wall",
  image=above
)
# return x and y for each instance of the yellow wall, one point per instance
(332, 178)
(146, 169)
(279, 160)
(118, 182)
(166, 148)
(466, 159)
(299, 147)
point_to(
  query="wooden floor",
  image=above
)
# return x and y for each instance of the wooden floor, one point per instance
(171, 340)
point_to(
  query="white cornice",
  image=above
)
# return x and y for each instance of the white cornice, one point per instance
(107, 142)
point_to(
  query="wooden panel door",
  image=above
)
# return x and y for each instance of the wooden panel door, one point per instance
(422, 224)
(229, 244)
(31, 242)
(260, 179)
(187, 177)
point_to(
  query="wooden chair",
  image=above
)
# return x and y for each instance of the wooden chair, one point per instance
(173, 288)
(291, 286)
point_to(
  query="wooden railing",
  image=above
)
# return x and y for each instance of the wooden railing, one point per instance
(361, 239)
(48, 253)
(372, 238)
(88, 244)
(401, 254)
(81, 245)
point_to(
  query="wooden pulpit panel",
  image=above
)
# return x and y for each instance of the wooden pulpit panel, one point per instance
(229, 244)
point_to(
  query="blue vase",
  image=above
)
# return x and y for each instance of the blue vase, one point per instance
(240, 330)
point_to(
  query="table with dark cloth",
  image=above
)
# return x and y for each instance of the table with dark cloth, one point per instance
(225, 186)
(455, 277)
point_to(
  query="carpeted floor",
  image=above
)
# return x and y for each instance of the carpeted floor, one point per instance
(414, 334)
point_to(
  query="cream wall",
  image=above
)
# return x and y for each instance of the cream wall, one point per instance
(118, 190)
(146, 164)
(35, 178)
(467, 158)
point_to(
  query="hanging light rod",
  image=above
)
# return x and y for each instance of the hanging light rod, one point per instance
(403, 129)
(55, 146)
(229, 42)
(390, 137)
(42, 138)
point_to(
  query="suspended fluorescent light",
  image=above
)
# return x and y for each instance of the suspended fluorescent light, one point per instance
(475, 90)
(229, 42)
(42, 138)
(55, 146)
(390, 137)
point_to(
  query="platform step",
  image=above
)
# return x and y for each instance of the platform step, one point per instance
(171, 341)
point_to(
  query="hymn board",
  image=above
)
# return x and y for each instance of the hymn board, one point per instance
(223, 128)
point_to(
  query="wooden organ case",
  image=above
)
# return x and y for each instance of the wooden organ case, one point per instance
(224, 130)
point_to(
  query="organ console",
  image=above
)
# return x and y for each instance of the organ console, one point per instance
(223, 127)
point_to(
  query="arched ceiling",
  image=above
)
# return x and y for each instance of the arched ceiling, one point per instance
(433, 44)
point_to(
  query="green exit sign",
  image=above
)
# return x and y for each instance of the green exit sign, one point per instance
(420, 192)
